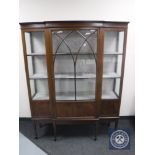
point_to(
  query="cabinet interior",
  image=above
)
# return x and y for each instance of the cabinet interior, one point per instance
(74, 55)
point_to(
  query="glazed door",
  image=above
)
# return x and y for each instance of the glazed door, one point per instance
(36, 71)
(112, 75)
(74, 56)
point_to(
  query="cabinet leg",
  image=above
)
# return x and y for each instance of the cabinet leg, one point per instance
(35, 129)
(96, 131)
(54, 129)
(116, 124)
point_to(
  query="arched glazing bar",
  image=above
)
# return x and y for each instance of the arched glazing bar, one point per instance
(74, 54)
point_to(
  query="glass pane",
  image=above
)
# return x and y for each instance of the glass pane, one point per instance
(112, 66)
(110, 88)
(63, 66)
(65, 89)
(112, 62)
(113, 42)
(86, 66)
(117, 86)
(35, 42)
(85, 89)
(37, 66)
(39, 89)
(74, 42)
(74, 54)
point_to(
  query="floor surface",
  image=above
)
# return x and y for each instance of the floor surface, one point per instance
(26, 147)
(75, 139)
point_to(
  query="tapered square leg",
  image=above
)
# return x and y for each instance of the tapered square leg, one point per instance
(55, 131)
(35, 129)
(95, 130)
(116, 124)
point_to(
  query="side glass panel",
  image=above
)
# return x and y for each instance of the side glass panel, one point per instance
(113, 42)
(39, 89)
(37, 66)
(35, 42)
(113, 52)
(74, 54)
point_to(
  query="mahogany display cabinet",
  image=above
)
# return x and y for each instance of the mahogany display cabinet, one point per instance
(74, 70)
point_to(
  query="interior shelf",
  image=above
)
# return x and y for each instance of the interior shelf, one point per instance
(36, 54)
(71, 76)
(111, 75)
(65, 96)
(109, 95)
(85, 96)
(39, 96)
(85, 76)
(112, 53)
(38, 76)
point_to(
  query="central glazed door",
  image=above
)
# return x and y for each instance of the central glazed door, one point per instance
(74, 59)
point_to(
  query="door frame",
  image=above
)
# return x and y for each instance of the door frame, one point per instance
(84, 103)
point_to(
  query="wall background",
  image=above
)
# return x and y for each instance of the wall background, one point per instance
(120, 10)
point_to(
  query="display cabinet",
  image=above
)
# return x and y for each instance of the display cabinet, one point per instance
(74, 70)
